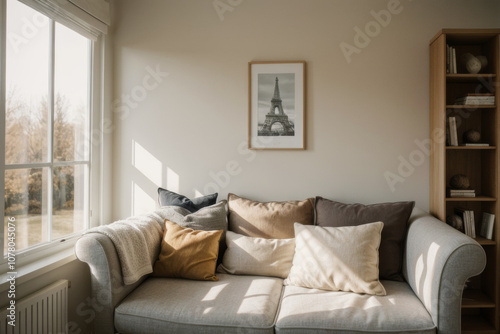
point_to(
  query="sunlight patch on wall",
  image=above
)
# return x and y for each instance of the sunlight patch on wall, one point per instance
(141, 201)
(172, 180)
(146, 163)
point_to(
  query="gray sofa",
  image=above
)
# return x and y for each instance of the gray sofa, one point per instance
(437, 262)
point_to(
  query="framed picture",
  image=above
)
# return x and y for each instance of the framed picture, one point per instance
(276, 105)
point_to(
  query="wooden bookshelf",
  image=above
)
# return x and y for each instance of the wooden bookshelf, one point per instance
(481, 297)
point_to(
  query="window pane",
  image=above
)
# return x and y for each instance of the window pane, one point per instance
(70, 200)
(27, 58)
(71, 109)
(26, 197)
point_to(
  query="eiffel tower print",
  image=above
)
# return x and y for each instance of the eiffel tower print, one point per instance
(277, 123)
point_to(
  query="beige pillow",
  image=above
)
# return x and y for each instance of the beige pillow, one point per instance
(337, 258)
(187, 253)
(271, 220)
(257, 256)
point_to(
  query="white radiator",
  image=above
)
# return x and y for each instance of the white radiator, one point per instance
(42, 312)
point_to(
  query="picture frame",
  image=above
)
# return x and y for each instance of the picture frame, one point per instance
(277, 105)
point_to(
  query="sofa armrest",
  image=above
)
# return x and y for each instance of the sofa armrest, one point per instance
(108, 289)
(438, 261)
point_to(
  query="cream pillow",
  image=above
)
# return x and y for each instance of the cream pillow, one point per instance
(257, 256)
(337, 258)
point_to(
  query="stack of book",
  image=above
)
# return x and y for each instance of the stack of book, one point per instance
(476, 99)
(468, 219)
(462, 193)
(451, 60)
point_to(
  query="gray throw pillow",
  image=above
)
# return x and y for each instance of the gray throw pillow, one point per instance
(209, 218)
(394, 216)
(167, 197)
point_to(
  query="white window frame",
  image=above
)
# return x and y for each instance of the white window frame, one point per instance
(43, 252)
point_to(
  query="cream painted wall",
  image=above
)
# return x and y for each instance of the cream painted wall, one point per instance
(182, 128)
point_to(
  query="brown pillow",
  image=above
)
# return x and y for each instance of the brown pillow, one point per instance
(394, 216)
(186, 253)
(271, 220)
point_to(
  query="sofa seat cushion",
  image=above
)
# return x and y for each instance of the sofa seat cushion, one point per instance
(306, 310)
(239, 304)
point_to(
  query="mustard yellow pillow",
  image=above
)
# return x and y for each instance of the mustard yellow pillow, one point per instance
(187, 253)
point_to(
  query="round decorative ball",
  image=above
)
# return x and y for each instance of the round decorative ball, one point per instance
(455, 221)
(459, 181)
(472, 136)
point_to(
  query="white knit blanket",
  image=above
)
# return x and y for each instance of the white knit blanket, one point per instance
(137, 241)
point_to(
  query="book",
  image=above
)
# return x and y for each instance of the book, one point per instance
(453, 131)
(477, 144)
(454, 195)
(481, 100)
(462, 193)
(472, 223)
(462, 214)
(487, 225)
(448, 59)
(453, 60)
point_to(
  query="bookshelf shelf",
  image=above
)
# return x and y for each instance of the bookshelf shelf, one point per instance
(480, 164)
(485, 242)
(466, 77)
(473, 324)
(470, 107)
(471, 147)
(471, 199)
(474, 298)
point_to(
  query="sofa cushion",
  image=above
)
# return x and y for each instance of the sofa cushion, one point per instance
(209, 218)
(394, 216)
(337, 258)
(257, 256)
(187, 253)
(317, 311)
(272, 220)
(237, 304)
(168, 198)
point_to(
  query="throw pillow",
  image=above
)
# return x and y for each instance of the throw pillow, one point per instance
(186, 253)
(272, 220)
(257, 256)
(337, 258)
(394, 216)
(209, 218)
(167, 197)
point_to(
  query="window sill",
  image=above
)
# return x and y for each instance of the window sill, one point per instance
(37, 268)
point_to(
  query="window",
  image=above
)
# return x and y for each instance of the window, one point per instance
(48, 102)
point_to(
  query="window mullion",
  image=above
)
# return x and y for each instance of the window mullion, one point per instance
(3, 41)
(90, 102)
(51, 104)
